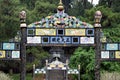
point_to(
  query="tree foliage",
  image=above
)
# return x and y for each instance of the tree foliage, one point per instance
(110, 25)
(85, 57)
(110, 22)
(113, 4)
(34, 56)
(9, 20)
(78, 7)
(40, 11)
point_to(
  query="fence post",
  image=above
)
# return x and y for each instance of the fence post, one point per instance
(33, 72)
(79, 72)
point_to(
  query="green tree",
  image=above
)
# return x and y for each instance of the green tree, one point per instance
(110, 22)
(107, 3)
(78, 7)
(116, 6)
(84, 57)
(30, 4)
(35, 55)
(41, 10)
(9, 21)
(110, 26)
(113, 4)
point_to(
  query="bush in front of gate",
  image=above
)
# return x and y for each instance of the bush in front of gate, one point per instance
(4, 76)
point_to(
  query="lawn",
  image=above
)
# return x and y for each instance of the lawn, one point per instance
(17, 76)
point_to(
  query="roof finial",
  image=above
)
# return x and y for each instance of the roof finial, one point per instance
(60, 3)
(60, 7)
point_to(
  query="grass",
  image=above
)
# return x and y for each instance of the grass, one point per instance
(17, 76)
(104, 76)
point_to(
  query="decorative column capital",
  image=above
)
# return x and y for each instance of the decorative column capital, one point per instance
(22, 16)
(98, 16)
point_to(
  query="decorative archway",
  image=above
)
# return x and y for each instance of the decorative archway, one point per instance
(59, 30)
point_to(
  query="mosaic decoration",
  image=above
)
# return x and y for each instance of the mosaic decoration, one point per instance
(60, 29)
(43, 71)
(60, 40)
(45, 40)
(8, 54)
(15, 54)
(117, 54)
(8, 46)
(34, 39)
(58, 67)
(105, 54)
(73, 71)
(45, 32)
(90, 32)
(60, 20)
(75, 32)
(86, 40)
(30, 32)
(112, 46)
(103, 39)
(10, 50)
(60, 32)
(75, 40)
(2, 54)
(112, 54)
(40, 71)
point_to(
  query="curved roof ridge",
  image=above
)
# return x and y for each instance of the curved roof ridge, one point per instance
(60, 19)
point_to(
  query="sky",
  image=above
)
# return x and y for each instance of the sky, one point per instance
(94, 1)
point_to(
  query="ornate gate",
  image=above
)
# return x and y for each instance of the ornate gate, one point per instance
(59, 30)
(56, 75)
(56, 70)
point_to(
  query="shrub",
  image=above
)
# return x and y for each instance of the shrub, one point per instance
(4, 76)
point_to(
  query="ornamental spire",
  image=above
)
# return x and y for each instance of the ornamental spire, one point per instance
(60, 7)
(60, 3)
